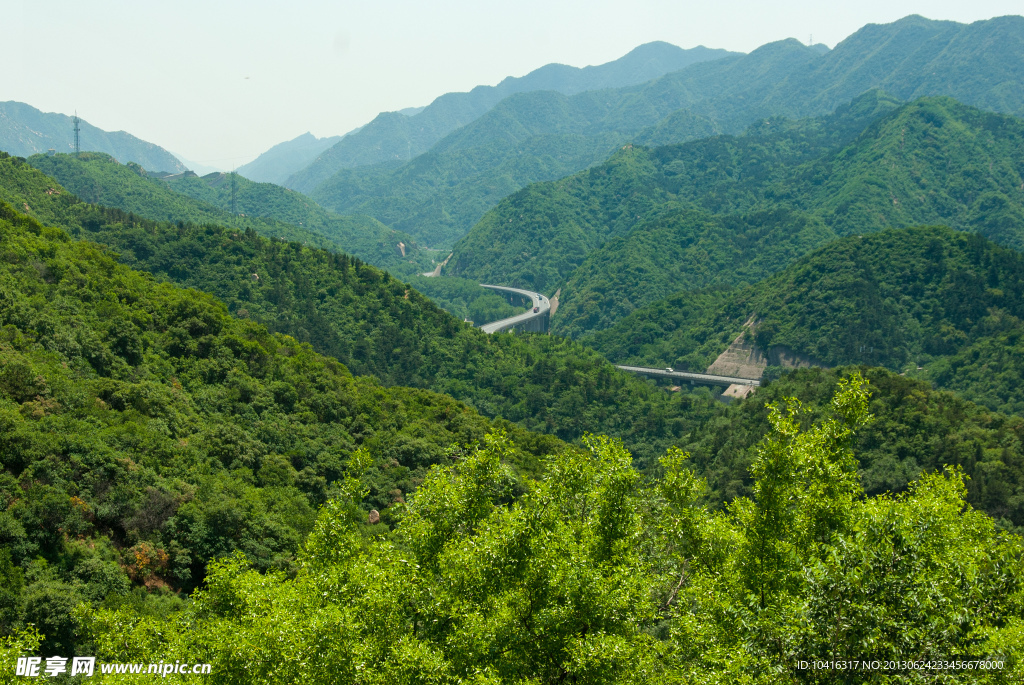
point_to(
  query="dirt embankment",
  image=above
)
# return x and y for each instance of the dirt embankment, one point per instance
(744, 359)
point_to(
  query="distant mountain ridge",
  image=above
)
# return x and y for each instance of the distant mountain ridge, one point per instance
(544, 135)
(269, 209)
(284, 159)
(25, 131)
(393, 136)
(731, 209)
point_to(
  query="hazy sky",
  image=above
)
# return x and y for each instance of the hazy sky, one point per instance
(220, 81)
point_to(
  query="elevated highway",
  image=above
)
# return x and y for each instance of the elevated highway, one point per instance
(693, 378)
(535, 320)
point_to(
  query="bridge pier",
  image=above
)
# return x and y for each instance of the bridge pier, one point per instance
(534, 320)
(536, 324)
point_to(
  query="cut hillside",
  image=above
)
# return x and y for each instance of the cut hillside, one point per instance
(543, 135)
(928, 301)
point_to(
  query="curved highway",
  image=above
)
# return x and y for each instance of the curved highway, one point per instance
(535, 317)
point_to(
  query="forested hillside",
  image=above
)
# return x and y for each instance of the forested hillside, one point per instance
(947, 301)
(268, 209)
(357, 235)
(240, 430)
(538, 136)
(730, 210)
(393, 137)
(145, 430)
(24, 131)
(375, 324)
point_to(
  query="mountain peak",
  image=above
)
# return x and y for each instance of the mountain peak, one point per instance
(27, 131)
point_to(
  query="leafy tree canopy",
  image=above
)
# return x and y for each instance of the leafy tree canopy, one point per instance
(590, 578)
(144, 430)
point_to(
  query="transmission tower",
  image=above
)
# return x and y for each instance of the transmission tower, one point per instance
(76, 121)
(234, 189)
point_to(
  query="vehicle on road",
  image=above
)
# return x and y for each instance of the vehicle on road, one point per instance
(536, 309)
(670, 369)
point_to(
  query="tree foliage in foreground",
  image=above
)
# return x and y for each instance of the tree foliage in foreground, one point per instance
(590, 578)
(916, 430)
(145, 431)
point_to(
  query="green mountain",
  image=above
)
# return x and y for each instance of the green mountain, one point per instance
(157, 440)
(24, 131)
(545, 135)
(358, 235)
(373, 323)
(729, 210)
(145, 430)
(931, 302)
(394, 136)
(269, 209)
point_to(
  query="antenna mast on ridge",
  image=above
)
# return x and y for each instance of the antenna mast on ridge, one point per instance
(76, 121)
(234, 189)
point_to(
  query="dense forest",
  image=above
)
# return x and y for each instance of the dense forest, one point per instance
(734, 209)
(145, 430)
(374, 323)
(591, 576)
(927, 301)
(243, 429)
(268, 209)
(191, 434)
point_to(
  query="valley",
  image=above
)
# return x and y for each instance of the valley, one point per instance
(678, 368)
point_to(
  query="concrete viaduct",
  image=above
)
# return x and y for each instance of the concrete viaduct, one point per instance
(692, 378)
(536, 320)
(528, 322)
